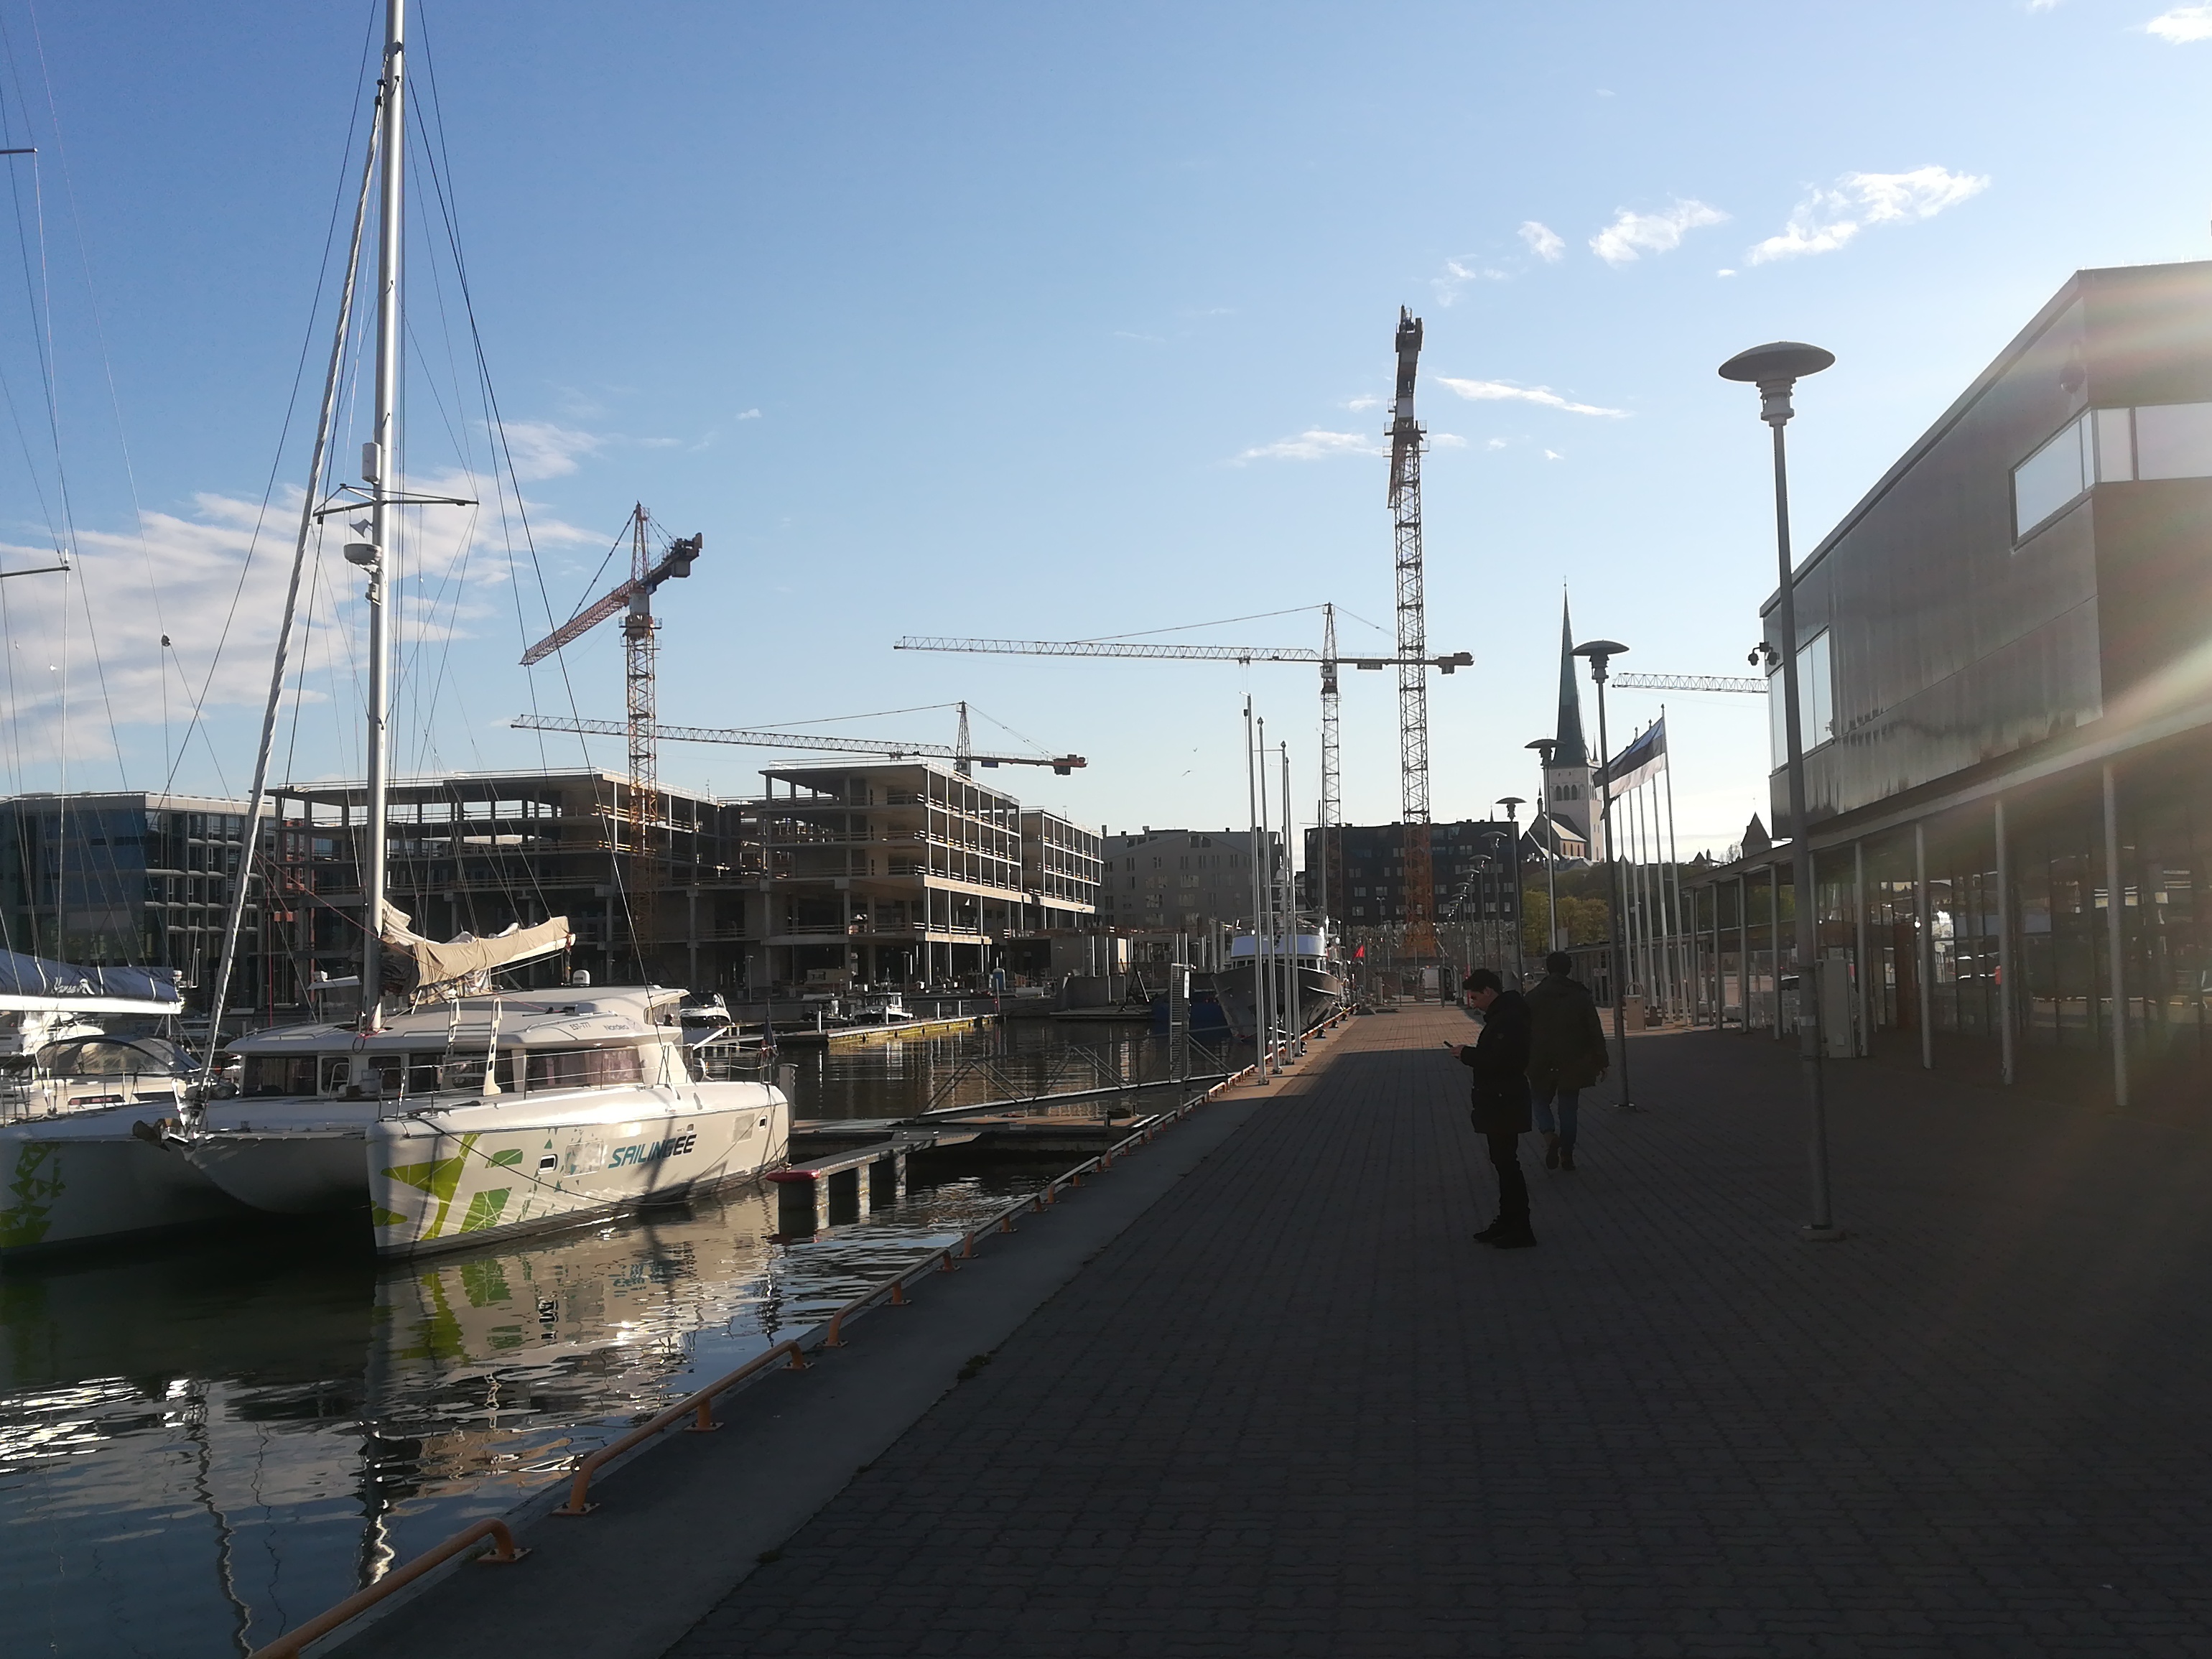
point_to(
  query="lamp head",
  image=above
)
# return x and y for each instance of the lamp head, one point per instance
(1774, 369)
(1598, 650)
(1511, 804)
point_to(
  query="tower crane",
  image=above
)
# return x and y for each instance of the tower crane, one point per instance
(961, 754)
(634, 599)
(1687, 682)
(1331, 793)
(1406, 443)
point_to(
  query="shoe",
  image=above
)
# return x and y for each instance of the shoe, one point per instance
(1490, 1234)
(1519, 1238)
(1551, 1152)
(1567, 1159)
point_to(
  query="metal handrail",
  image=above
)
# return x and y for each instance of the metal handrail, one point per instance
(503, 1553)
(702, 1404)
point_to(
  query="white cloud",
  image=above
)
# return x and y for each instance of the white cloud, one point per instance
(2044, 5)
(1827, 219)
(1314, 446)
(1503, 392)
(186, 574)
(1495, 443)
(1543, 241)
(543, 450)
(1365, 402)
(1446, 440)
(2182, 25)
(1725, 271)
(1457, 275)
(749, 415)
(1631, 235)
(1554, 455)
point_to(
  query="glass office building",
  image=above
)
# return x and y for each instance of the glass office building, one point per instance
(2005, 651)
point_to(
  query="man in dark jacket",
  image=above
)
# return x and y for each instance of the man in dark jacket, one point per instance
(1499, 1106)
(1566, 1055)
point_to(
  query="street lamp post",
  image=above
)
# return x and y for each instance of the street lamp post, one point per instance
(1558, 935)
(1518, 949)
(1775, 369)
(1599, 651)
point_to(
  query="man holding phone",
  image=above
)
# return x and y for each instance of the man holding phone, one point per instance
(1500, 1103)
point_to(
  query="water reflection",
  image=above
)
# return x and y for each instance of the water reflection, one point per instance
(207, 1441)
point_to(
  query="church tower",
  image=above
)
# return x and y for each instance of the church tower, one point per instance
(1569, 778)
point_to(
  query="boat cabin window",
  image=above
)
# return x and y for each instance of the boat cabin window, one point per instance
(110, 1057)
(281, 1074)
(466, 1075)
(584, 1069)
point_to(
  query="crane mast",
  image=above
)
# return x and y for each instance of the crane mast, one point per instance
(1405, 444)
(641, 706)
(1332, 785)
(633, 600)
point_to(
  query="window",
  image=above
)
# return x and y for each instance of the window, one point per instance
(2174, 440)
(583, 1068)
(1816, 693)
(2051, 480)
(2111, 446)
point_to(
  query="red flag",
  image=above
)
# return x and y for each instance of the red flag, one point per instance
(1360, 955)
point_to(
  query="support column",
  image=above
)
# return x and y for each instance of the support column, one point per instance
(1743, 952)
(1925, 947)
(1860, 972)
(2116, 939)
(2004, 948)
(1720, 964)
(1774, 937)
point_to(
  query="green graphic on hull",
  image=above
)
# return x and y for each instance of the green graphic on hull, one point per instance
(484, 1210)
(441, 1177)
(36, 1184)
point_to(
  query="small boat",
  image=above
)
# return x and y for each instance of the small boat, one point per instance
(1309, 953)
(882, 1008)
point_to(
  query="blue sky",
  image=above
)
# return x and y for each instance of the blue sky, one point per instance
(1040, 322)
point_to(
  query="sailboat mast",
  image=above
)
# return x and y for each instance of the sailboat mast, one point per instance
(380, 468)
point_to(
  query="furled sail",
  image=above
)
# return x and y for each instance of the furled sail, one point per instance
(428, 964)
(22, 976)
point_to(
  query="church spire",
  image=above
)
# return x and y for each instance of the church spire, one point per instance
(1571, 751)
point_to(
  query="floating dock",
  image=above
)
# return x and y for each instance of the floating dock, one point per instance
(861, 1036)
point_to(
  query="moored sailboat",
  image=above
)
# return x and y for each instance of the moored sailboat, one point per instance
(452, 1110)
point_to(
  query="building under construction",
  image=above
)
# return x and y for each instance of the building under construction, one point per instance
(478, 852)
(908, 872)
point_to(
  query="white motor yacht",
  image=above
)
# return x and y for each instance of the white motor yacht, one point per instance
(79, 1157)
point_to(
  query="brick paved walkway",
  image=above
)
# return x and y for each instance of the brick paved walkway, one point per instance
(1294, 1410)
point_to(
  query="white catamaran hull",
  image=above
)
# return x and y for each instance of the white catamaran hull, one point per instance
(484, 1171)
(287, 1172)
(84, 1175)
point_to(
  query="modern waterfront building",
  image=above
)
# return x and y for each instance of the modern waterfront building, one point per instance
(1471, 857)
(124, 879)
(1186, 881)
(2005, 654)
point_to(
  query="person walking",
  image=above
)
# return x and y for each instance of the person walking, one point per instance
(1500, 1103)
(1566, 1055)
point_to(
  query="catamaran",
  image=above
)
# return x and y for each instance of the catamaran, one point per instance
(452, 1112)
(78, 1159)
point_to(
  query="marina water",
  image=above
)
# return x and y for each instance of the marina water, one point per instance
(205, 1441)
